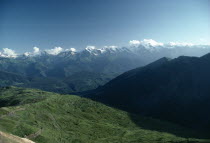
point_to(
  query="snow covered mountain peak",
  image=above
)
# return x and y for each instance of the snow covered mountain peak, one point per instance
(148, 46)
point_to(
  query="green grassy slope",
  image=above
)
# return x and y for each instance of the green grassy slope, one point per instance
(10, 96)
(64, 118)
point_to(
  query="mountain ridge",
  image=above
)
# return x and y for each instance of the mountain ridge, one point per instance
(175, 90)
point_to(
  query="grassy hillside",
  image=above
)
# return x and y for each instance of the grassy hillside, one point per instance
(10, 96)
(64, 118)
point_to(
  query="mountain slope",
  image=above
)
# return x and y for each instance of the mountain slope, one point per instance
(174, 90)
(64, 118)
(92, 67)
(60, 74)
(13, 96)
(7, 78)
(80, 81)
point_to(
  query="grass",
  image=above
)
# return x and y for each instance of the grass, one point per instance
(10, 96)
(72, 119)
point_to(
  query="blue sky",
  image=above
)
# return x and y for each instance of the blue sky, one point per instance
(78, 23)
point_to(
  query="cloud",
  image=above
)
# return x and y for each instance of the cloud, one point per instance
(27, 54)
(134, 43)
(145, 42)
(150, 42)
(54, 51)
(9, 53)
(180, 44)
(36, 50)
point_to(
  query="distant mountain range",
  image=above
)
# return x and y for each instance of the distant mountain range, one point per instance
(71, 71)
(176, 90)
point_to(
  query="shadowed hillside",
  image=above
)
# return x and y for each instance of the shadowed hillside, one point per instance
(175, 90)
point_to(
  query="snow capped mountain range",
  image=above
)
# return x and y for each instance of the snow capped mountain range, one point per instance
(62, 68)
(173, 49)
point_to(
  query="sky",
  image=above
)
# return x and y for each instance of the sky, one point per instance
(80, 23)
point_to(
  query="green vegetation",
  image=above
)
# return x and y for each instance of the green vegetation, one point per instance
(63, 118)
(7, 78)
(78, 82)
(10, 96)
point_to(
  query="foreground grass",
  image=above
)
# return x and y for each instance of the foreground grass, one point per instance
(66, 119)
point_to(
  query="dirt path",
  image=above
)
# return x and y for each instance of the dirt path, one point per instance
(9, 138)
